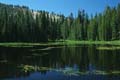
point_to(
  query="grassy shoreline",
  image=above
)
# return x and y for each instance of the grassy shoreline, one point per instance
(93, 42)
(66, 42)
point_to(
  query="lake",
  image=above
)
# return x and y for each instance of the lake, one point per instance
(63, 62)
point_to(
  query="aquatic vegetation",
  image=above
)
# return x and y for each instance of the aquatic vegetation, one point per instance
(59, 43)
(71, 71)
(68, 71)
(48, 48)
(65, 71)
(109, 48)
(43, 49)
(115, 72)
(64, 60)
(30, 68)
(99, 72)
(3, 61)
(26, 68)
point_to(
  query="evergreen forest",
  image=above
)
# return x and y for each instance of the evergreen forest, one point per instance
(21, 24)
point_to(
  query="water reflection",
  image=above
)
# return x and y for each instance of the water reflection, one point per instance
(78, 62)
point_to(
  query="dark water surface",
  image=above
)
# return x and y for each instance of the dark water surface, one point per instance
(73, 62)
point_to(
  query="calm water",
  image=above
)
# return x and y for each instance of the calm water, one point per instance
(75, 62)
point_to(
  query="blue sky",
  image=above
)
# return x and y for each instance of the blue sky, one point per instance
(65, 6)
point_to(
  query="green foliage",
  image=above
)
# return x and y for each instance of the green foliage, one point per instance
(20, 24)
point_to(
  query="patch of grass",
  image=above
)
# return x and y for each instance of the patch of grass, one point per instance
(57, 43)
(98, 72)
(93, 42)
(26, 68)
(30, 68)
(115, 72)
(109, 48)
(31, 44)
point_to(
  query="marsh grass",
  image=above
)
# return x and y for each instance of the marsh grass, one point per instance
(109, 48)
(66, 42)
(66, 71)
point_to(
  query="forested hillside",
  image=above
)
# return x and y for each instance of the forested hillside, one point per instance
(21, 24)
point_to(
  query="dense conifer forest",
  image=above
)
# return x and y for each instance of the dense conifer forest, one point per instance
(21, 24)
